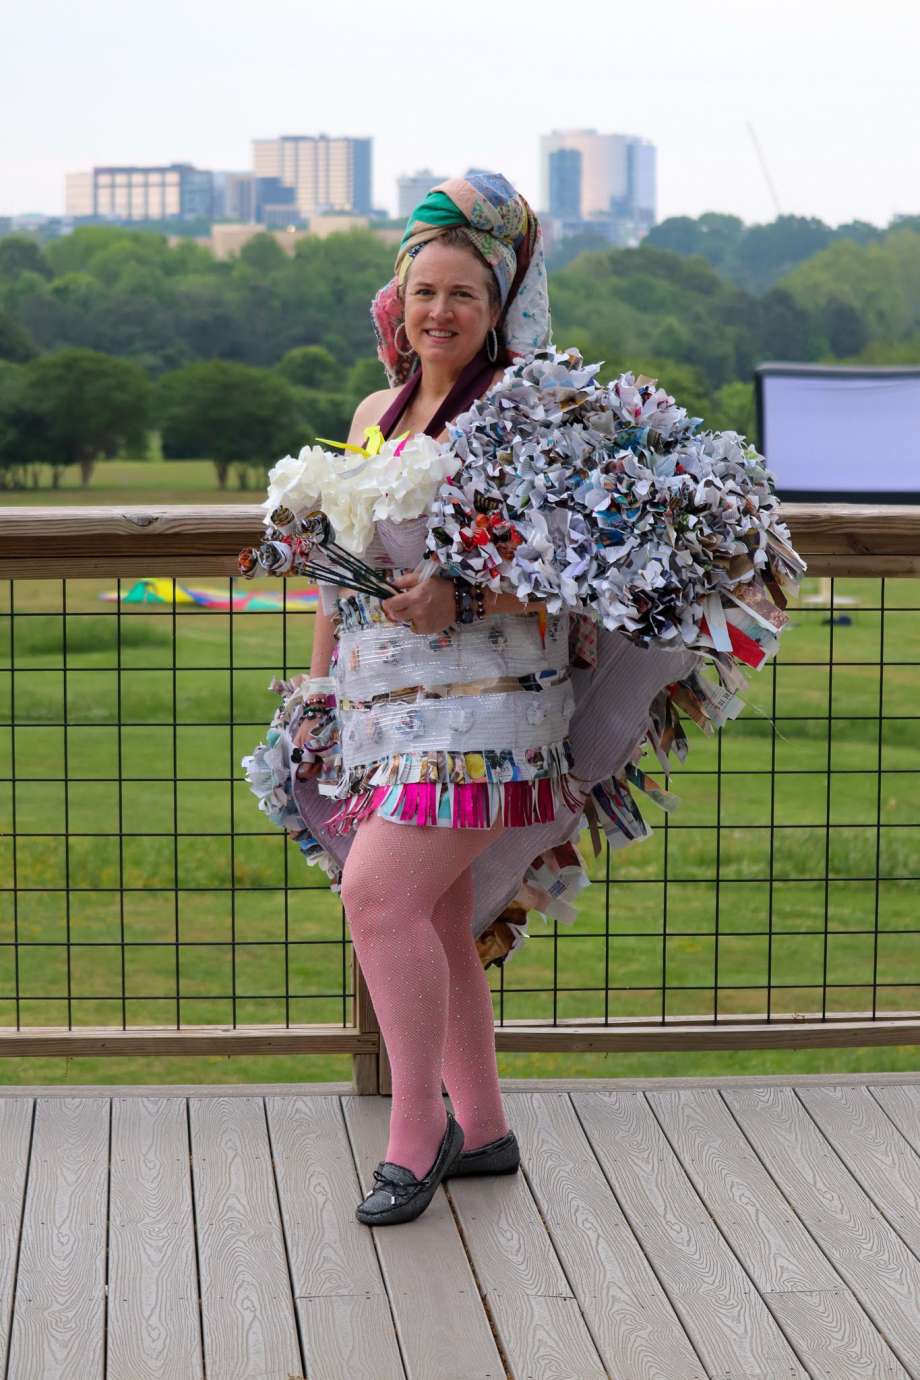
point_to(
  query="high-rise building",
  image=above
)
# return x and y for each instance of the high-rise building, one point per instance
(325, 174)
(178, 190)
(412, 188)
(564, 177)
(618, 176)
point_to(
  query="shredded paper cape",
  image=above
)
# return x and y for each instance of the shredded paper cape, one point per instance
(660, 540)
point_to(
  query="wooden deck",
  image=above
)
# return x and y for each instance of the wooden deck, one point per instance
(670, 1229)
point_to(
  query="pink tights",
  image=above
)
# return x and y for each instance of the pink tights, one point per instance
(408, 894)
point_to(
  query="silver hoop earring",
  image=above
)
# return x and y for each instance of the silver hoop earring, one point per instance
(492, 346)
(405, 353)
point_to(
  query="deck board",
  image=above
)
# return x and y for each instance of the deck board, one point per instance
(628, 1313)
(881, 1271)
(16, 1116)
(806, 1296)
(732, 1330)
(346, 1323)
(670, 1229)
(154, 1325)
(246, 1302)
(59, 1313)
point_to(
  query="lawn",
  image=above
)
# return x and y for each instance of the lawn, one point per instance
(135, 482)
(181, 850)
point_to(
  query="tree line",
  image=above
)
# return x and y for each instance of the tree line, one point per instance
(107, 334)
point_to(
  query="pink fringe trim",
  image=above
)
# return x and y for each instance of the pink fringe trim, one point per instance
(522, 803)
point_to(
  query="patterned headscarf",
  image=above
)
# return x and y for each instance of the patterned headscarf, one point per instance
(505, 231)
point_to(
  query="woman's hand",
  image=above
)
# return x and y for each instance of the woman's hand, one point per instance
(306, 770)
(427, 605)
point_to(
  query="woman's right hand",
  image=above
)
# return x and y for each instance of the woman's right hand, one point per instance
(303, 733)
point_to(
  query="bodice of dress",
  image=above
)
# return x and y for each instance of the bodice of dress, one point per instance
(398, 545)
(497, 683)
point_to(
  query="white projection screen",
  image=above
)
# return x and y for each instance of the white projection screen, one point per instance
(844, 433)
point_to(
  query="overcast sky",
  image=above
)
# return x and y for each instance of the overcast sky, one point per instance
(831, 90)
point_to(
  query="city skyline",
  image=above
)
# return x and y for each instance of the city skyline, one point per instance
(596, 183)
(825, 113)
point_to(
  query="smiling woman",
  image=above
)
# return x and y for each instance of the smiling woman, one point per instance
(579, 555)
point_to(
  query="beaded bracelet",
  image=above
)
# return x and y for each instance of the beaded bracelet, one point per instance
(469, 601)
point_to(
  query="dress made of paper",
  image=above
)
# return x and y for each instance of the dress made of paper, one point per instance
(657, 551)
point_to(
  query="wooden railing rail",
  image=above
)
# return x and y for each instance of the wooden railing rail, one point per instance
(842, 539)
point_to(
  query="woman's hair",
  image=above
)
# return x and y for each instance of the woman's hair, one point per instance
(454, 236)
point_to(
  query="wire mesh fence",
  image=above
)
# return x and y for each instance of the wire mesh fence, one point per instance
(140, 886)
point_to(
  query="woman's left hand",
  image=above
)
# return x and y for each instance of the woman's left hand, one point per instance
(427, 605)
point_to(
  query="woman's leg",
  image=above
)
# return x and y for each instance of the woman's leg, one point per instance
(393, 877)
(469, 1067)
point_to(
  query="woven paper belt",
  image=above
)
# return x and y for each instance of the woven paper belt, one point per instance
(417, 694)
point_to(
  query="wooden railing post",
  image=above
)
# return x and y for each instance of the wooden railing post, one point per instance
(370, 1073)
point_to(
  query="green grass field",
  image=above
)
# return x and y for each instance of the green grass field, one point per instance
(183, 876)
(134, 482)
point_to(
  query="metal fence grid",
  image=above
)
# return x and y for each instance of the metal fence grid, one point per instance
(140, 886)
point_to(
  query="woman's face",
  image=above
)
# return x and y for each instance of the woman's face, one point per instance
(447, 305)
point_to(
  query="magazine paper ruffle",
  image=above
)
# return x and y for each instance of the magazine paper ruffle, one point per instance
(606, 498)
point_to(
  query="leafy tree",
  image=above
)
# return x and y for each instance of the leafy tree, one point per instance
(587, 241)
(713, 236)
(227, 412)
(11, 456)
(310, 366)
(886, 352)
(785, 327)
(15, 343)
(844, 327)
(20, 254)
(880, 280)
(82, 405)
(325, 414)
(768, 251)
(262, 255)
(734, 409)
(365, 376)
(861, 231)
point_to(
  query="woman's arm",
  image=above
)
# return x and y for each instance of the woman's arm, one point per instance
(509, 603)
(323, 642)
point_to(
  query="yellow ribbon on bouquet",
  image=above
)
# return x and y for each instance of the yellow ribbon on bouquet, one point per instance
(374, 442)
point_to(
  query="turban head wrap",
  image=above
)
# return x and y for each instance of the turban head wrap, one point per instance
(501, 226)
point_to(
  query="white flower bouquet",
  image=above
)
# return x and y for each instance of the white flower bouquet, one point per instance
(330, 501)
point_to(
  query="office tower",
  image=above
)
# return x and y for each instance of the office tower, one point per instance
(325, 174)
(412, 188)
(618, 175)
(564, 177)
(178, 190)
(78, 194)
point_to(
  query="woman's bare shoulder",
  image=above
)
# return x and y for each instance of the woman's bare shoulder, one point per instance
(375, 404)
(370, 410)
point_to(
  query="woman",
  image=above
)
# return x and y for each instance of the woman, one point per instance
(452, 780)
(407, 891)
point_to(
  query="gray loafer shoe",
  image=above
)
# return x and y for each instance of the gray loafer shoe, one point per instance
(399, 1196)
(502, 1156)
